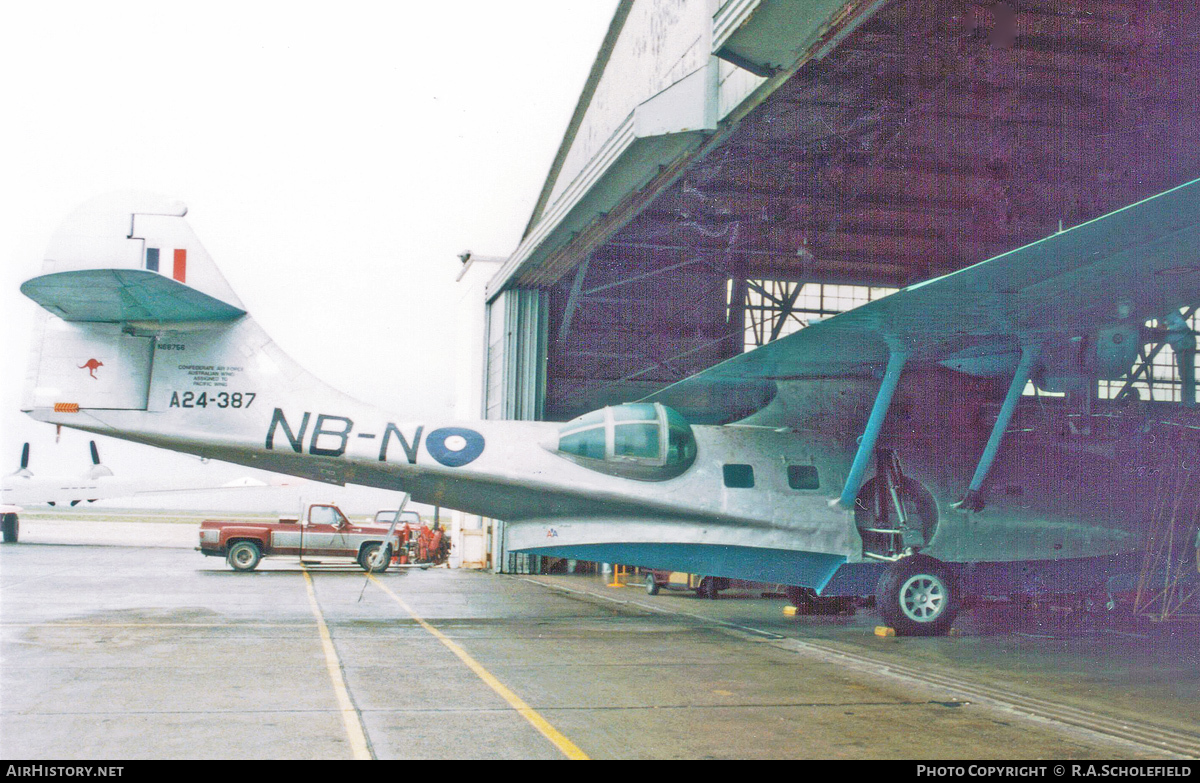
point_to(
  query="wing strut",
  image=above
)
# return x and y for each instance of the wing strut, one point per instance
(974, 497)
(866, 445)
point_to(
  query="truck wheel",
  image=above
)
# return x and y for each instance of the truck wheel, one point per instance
(244, 556)
(918, 597)
(367, 556)
(651, 585)
(12, 527)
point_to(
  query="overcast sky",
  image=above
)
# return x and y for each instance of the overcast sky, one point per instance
(334, 162)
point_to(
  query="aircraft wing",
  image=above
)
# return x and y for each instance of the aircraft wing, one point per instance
(1124, 268)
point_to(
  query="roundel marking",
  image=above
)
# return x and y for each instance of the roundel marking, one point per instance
(454, 446)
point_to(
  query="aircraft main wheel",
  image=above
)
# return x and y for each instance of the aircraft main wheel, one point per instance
(918, 597)
(244, 556)
(367, 557)
(651, 585)
(12, 528)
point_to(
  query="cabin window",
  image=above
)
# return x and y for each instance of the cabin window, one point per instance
(644, 441)
(803, 477)
(739, 476)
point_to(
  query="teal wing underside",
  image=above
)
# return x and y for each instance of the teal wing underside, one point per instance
(121, 295)
(1137, 263)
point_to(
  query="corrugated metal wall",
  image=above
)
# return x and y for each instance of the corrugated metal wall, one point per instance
(516, 365)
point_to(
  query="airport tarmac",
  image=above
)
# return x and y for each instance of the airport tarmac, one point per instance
(133, 645)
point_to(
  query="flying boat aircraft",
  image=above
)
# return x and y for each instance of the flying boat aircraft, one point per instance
(887, 449)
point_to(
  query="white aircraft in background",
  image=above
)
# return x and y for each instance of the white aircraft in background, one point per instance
(141, 338)
(24, 488)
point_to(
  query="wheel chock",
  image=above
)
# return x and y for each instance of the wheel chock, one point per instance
(883, 631)
(790, 611)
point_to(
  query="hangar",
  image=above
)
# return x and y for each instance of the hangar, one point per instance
(736, 170)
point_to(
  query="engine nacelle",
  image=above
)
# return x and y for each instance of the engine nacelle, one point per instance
(1072, 365)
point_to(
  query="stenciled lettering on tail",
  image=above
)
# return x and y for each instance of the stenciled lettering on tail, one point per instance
(329, 436)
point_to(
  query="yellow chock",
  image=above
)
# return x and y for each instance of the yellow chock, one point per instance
(790, 611)
(884, 631)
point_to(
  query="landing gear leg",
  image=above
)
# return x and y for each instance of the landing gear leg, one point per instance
(918, 597)
(12, 528)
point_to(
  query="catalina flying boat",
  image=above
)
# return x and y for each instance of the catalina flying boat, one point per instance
(892, 448)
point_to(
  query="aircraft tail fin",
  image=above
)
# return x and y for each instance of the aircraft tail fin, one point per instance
(131, 258)
(118, 271)
(141, 337)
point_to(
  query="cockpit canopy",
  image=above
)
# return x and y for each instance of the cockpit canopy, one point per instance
(643, 441)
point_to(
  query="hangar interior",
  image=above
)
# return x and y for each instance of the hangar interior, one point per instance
(735, 170)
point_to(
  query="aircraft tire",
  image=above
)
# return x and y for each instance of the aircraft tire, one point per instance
(12, 528)
(917, 596)
(651, 585)
(244, 556)
(368, 554)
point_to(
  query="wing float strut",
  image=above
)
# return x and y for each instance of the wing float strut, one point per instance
(866, 444)
(974, 497)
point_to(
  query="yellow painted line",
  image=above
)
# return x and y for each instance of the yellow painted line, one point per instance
(516, 702)
(350, 717)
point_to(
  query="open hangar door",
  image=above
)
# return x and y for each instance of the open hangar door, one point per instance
(841, 150)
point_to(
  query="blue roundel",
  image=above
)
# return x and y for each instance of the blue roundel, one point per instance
(435, 444)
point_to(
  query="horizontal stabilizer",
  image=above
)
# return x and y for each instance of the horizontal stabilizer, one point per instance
(130, 257)
(112, 296)
(122, 295)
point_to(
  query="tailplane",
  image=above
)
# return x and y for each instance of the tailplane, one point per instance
(118, 272)
(142, 338)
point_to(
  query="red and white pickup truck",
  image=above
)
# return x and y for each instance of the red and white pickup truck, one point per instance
(323, 531)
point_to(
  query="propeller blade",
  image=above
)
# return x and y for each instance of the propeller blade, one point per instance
(25, 457)
(95, 454)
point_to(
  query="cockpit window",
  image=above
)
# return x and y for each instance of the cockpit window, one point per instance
(645, 441)
(635, 412)
(587, 443)
(638, 440)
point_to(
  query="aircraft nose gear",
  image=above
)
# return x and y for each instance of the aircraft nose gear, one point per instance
(12, 527)
(918, 597)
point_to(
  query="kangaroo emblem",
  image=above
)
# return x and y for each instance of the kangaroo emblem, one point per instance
(92, 365)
